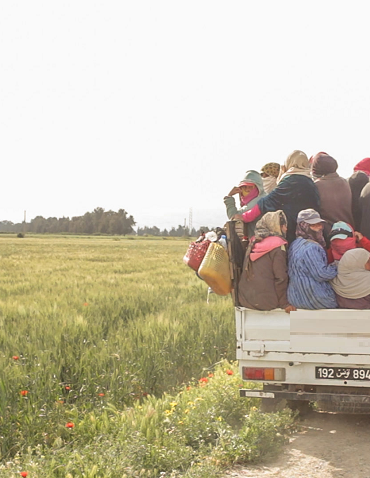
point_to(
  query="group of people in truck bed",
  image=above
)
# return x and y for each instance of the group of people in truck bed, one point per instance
(308, 233)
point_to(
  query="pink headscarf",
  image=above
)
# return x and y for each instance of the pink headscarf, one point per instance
(363, 166)
(244, 200)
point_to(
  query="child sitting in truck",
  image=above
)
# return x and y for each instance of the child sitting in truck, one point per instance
(352, 284)
(309, 272)
(343, 238)
(264, 279)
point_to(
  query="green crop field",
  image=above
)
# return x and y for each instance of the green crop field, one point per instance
(103, 341)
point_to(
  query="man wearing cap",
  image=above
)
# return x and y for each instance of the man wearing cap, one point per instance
(308, 269)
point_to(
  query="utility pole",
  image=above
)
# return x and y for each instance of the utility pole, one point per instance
(24, 224)
(190, 220)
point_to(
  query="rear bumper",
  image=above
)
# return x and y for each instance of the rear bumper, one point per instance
(306, 396)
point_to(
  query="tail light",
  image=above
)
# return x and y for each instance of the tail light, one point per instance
(252, 373)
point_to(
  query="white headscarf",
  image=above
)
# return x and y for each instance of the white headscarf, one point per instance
(297, 163)
(353, 280)
(269, 184)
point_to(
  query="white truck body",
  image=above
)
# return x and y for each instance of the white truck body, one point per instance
(321, 355)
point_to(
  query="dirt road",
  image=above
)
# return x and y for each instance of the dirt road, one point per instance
(327, 446)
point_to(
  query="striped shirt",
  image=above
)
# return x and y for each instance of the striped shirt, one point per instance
(309, 274)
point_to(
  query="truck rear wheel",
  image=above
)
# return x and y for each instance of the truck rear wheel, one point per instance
(270, 405)
(301, 406)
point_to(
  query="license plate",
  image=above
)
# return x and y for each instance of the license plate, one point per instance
(339, 373)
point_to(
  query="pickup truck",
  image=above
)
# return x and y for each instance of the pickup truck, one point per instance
(306, 356)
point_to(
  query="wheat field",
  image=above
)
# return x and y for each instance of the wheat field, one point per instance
(95, 325)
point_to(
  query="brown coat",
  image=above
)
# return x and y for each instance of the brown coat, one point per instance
(264, 285)
(335, 199)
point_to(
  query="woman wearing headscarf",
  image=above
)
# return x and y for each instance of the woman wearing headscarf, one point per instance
(295, 191)
(270, 173)
(352, 284)
(364, 166)
(250, 190)
(343, 238)
(357, 182)
(264, 280)
(364, 199)
(334, 191)
(364, 205)
(309, 272)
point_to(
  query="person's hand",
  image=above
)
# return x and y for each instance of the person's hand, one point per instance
(359, 236)
(290, 309)
(237, 217)
(235, 190)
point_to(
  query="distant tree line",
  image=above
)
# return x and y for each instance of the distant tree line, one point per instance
(97, 222)
(181, 231)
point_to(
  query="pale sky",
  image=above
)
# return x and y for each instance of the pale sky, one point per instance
(159, 106)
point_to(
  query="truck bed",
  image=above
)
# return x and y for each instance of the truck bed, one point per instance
(328, 331)
(312, 347)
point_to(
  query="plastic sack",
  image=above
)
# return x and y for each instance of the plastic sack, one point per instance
(195, 254)
(215, 269)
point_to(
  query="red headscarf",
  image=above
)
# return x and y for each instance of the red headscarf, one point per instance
(363, 166)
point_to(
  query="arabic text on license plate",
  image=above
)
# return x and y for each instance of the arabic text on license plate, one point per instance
(336, 373)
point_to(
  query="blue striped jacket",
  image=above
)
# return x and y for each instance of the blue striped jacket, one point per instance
(309, 274)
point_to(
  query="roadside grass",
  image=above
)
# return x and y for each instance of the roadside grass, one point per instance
(199, 431)
(106, 334)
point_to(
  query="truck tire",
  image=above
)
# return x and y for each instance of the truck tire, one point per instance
(270, 405)
(303, 407)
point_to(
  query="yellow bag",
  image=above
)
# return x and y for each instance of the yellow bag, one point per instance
(215, 269)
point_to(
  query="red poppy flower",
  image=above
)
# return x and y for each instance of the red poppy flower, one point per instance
(86, 304)
(23, 392)
(188, 388)
(68, 388)
(101, 394)
(70, 425)
(229, 372)
(210, 375)
(203, 379)
(145, 394)
(23, 473)
(15, 357)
